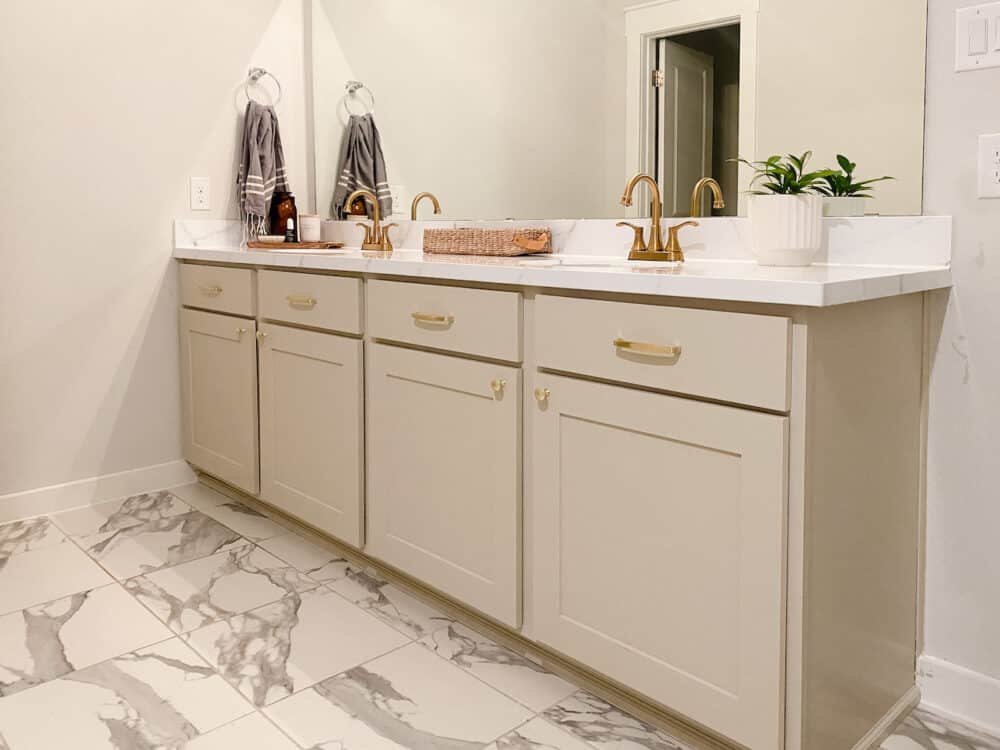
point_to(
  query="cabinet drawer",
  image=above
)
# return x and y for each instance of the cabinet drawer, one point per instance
(727, 356)
(217, 288)
(332, 302)
(472, 321)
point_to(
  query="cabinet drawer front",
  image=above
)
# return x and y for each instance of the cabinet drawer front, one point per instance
(472, 321)
(311, 461)
(444, 479)
(658, 532)
(719, 355)
(217, 288)
(219, 396)
(309, 299)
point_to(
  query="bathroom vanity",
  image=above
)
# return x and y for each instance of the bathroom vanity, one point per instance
(701, 482)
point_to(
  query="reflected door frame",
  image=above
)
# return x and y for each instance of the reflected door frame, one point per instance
(648, 22)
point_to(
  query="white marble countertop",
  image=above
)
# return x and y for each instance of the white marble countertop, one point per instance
(818, 285)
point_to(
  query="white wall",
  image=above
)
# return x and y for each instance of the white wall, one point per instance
(497, 108)
(962, 621)
(108, 109)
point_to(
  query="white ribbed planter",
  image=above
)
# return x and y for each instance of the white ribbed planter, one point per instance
(844, 206)
(786, 230)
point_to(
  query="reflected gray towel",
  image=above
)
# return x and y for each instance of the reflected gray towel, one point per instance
(361, 167)
(262, 167)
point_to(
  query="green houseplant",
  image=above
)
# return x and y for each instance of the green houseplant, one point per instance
(843, 196)
(785, 210)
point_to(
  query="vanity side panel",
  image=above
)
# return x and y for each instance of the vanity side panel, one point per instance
(863, 464)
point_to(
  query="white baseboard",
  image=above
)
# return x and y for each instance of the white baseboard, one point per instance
(18, 505)
(958, 692)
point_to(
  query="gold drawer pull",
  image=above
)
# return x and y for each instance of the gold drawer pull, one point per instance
(239, 333)
(542, 395)
(298, 300)
(443, 320)
(211, 291)
(497, 385)
(261, 335)
(640, 347)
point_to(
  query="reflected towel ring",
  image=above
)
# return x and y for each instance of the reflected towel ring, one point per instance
(253, 77)
(353, 87)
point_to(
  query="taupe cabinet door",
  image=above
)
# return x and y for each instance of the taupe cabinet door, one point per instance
(444, 474)
(658, 548)
(311, 426)
(219, 393)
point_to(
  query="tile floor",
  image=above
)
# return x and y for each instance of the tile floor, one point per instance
(184, 619)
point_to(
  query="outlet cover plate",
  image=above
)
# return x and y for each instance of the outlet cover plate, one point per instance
(200, 196)
(989, 166)
(977, 37)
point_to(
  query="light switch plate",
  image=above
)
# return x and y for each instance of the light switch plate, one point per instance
(989, 166)
(200, 197)
(977, 37)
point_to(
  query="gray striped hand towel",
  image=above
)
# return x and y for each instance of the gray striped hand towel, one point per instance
(362, 166)
(262, 167)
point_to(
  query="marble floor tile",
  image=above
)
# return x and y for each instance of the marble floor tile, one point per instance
(538, 734)
(196, 593)
(923, 730)
(512, 674)
(389, 603)
(25, 536)
(406, 699)
(120, 514)
(50, 640)
(160, 538)
(281, 648)
(46, 574)
(252, 732)
(240, 517)
(155, 698)
(608, 728)
(314, 560)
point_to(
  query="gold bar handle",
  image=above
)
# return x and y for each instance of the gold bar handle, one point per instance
(211, 291)
(444, 320)
(298, 300)
(640, 347)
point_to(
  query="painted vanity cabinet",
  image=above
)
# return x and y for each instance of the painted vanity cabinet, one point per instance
(444, 440)
(713, 505)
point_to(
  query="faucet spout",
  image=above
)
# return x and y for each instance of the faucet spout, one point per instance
(419, 197)
(655, 243)
(373, 240)
(699, 188)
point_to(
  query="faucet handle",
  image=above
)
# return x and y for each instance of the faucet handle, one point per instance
(386, 242)
(368, 232)
(674, 251)
(638, 242)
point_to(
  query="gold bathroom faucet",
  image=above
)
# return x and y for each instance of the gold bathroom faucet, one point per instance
(376, 238)
(420, 196)
(699, 187)
(652, 250)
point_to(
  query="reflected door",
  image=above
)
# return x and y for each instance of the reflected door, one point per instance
(684, 116)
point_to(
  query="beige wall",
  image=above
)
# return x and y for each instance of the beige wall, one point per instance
(498, 108)
(109, 108)
(963, 499)
(868, 59)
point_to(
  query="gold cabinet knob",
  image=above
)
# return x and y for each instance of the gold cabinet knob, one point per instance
(542, 395)
(240, 332)
(497, 385)
(261, 335)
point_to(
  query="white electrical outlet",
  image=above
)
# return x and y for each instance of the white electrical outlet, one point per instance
(200, 198)
(989, 166)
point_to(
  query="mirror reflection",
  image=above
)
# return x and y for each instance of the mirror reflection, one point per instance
(528, 110)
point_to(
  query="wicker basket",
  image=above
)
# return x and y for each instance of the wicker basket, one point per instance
(470, 241)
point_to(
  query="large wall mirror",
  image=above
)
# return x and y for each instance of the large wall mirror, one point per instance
(531, 109)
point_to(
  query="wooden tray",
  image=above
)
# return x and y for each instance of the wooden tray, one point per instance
(257, 245)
